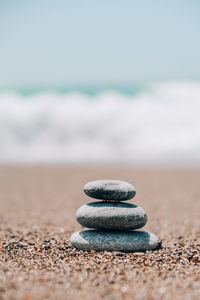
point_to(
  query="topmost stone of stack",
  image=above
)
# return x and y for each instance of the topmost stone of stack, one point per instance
(110, 190)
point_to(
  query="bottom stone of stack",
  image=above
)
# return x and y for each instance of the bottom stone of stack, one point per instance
(131, 241)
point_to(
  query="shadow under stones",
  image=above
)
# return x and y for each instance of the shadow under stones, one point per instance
(111, 204)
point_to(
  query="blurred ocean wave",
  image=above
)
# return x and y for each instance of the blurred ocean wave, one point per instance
(158, 123)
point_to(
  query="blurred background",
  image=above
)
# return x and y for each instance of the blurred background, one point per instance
(108, 81)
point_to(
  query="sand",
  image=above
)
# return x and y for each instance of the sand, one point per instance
(37, 217)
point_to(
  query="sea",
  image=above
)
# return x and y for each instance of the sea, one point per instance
(148, 124)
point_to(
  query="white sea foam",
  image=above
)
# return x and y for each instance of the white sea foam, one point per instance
(158, 125)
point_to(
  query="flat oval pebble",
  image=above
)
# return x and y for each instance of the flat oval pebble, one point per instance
(115, 190)
(111, 216)
(132, 241)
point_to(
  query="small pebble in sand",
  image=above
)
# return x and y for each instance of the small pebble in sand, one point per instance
(115, 190)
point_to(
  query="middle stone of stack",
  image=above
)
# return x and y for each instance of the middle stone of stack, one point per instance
(111, 214)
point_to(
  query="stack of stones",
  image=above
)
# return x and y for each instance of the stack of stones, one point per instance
(113, 222)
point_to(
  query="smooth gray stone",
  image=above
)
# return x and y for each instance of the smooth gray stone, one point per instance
(131, 241)
(111, 216)
(115, 190)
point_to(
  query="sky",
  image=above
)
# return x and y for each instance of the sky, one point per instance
(91, 42)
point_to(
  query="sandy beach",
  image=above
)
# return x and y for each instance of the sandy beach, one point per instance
(37, 217)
